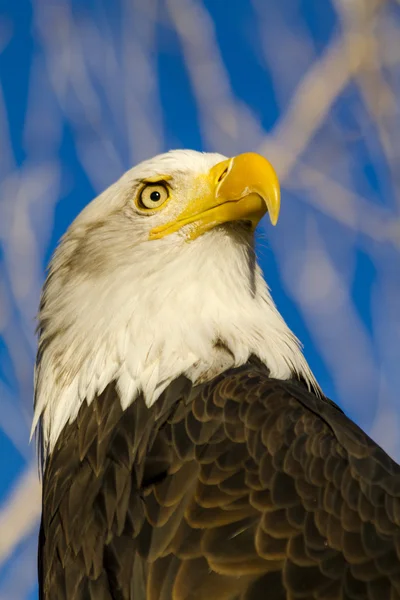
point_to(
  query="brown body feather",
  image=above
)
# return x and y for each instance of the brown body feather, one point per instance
(246, 488)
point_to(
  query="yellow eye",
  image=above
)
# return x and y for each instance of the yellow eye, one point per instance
(153, 195)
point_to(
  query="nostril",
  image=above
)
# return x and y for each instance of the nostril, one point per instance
(220, 178)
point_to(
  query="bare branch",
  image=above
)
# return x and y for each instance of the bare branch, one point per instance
(20, 512)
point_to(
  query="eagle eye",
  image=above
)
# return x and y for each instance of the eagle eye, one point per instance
(153, 195)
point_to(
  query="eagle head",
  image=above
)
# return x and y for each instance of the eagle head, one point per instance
(156, 278)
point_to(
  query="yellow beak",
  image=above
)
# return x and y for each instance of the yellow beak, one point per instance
(242, 188)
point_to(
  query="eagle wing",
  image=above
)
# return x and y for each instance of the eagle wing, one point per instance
(243, 488)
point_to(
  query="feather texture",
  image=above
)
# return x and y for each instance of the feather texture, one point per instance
(243, 488)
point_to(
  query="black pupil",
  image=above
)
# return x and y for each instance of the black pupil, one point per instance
(155, 196)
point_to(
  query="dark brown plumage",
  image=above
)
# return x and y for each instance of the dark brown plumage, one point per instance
(244, 488)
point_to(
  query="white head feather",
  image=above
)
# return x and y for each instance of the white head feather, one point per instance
(118, 307)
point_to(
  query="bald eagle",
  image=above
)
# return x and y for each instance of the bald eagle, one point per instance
(188, 452)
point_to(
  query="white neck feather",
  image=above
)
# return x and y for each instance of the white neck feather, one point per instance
(144, 326)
